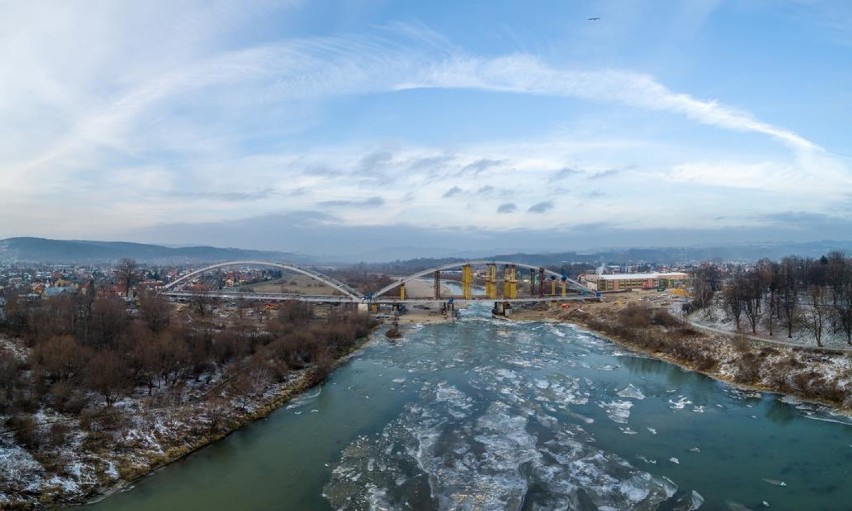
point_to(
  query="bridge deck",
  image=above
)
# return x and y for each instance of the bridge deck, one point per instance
(273, 297)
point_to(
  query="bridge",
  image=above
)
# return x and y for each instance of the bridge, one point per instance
(499, 286)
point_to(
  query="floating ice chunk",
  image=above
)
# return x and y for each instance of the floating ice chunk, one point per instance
(695, 449)
(618, 411)
(698, 409)
(631, 392)
(589, 420)
(607, 367)
(680, 403)
(674, 460)
(399, 380)
(653, 431)
(765, 504)
(697, 501)
(735, 506)
(628, 431)
(775, 482)
(547, 421)
(542, 384)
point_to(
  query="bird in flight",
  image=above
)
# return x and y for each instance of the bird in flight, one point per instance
(594, 19)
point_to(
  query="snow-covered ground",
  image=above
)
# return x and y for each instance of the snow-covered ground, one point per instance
(715, 317)
(78, 457)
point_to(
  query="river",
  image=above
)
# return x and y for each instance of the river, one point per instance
(491, 414)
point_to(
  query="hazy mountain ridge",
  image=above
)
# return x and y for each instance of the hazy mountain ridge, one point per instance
(25, 249)
(29, 249)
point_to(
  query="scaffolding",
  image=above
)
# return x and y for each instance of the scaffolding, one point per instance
(510, 282)
(491, 281)
(467, 282)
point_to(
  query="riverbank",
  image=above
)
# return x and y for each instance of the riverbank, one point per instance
(820, 376)
(107, 449)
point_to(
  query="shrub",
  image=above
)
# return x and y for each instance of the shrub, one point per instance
(664, 318)
(26, 431)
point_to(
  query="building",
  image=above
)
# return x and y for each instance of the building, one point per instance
(628, 281)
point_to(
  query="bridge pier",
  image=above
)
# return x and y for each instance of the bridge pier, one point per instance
(502, 309)
(491, 281)
(510, 282)
(437, 284)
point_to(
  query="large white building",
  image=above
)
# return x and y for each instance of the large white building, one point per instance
(625, 281)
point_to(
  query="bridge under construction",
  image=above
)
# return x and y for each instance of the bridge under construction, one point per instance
(501, 282)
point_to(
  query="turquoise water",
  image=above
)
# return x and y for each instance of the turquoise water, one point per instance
(489, 414)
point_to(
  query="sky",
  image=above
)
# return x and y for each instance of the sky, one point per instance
(350, 127)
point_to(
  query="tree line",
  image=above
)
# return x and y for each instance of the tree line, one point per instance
(795, 292)
(86, 351)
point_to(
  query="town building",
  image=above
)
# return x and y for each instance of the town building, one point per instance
(628, 281)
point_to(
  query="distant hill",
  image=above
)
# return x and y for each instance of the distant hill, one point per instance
(669, 255)
(654, 255)
(80, 251)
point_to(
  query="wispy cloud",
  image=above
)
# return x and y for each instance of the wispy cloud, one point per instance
(340, 66)
(605, 173)
(452, 192)
(371, 202)
(509, 207)
(541, 207)
(226, 129)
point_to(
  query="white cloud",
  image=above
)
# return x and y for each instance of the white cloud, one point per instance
(126, 125)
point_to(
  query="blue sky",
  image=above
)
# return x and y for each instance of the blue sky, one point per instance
(341, 127)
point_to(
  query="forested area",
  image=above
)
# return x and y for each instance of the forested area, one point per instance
(781, 297)
(75, 367)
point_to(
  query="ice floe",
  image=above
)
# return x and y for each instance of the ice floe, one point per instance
(631, 392)
(617, 411)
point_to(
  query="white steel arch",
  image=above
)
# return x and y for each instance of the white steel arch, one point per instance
(319, 277)
(574, 284)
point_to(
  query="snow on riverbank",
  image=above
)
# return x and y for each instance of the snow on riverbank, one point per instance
(59, 459)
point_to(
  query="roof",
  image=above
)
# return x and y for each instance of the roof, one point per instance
(58, 290)
(644, 276)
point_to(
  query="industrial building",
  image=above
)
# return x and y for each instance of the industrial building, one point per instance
(628, 281)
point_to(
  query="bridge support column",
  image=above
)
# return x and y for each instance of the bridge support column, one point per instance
(402, 291)
(491, 281)
(552, 288)
(437, 284)
(564, 288)
(467, 281)
(532, 282)
(510, 282)
(541, 282)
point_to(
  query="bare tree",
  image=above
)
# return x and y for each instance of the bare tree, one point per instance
(841, 295)
(768, 271)
(202, 302)
(752, 296)
(60, 358)
(109, 319)
(108, 375)
(706, 282)
(732, 299)
(154, 310)
(126, 274)
(817, 313)
(788, 293)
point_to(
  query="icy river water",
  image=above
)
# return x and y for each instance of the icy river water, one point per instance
(483, 414)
